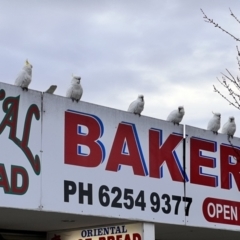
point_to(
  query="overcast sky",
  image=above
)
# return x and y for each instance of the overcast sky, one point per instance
(162, 49)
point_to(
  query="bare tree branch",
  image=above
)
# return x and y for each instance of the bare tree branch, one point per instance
(236, 104)
(233, 80)
(232, 14)
(238, 51)
(229, 82)
(208, 20)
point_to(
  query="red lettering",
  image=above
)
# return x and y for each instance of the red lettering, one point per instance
(136, 236)
(15, 171)
(126, 150)
(10, 107)
(102, 238)
(127, 237)
(118, 237)
(229, 168)
(34, 161)
(197, 160)
(4, 179)
(110, 238)
(75, 140)
(160, 153)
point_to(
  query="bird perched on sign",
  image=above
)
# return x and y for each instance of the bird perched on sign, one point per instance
(51, 89)
(75, 91)
(137, 106)
(229, 127)
(176, 116)
(214, 123)
(25, 77)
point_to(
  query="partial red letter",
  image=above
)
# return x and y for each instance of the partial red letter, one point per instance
(229, 169)
(126, 150)
(76, 139)
(160, 153)
(198, 160)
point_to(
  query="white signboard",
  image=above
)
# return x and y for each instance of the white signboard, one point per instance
(105, 162)
(213, 169)
(117, 232)
(20, 147)
(80, 158)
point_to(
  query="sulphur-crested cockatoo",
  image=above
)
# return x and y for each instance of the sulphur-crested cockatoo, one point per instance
(75, 90)
(229, 127)
(176, 116)
(51, 89)
(25, 77)
(137, 106)
(214, 123)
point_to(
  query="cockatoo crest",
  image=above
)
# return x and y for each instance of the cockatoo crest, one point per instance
(28, 64)
(217, 114)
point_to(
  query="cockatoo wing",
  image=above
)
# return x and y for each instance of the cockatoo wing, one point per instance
(23, 79)
(171, 117)
(214, 124)
(232, 129)
(225, 128)
(132, 106)
(69, 92)
(211, 124)
(229, 128)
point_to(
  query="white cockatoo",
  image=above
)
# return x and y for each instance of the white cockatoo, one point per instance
(229, 127)
(176, 116)
(75, 91)
(215, 123)
(25, 77)
(51, 89)
(137, 106)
